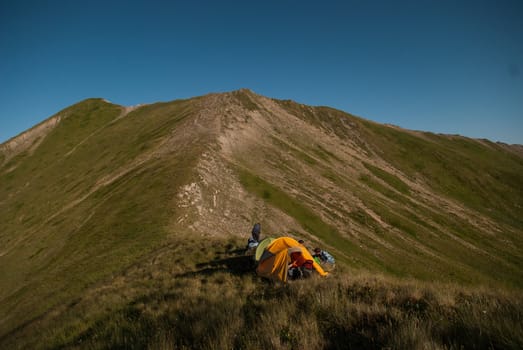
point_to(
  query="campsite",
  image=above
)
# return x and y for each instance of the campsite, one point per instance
(275, 256)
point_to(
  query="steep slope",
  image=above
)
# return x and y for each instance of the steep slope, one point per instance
(94, 195)
(106, 186)
(415, 204)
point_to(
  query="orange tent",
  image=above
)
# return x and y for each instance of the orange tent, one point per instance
(274, 258)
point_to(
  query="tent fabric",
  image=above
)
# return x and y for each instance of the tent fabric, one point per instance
(275, 258)
(261, 247)
(275, 267)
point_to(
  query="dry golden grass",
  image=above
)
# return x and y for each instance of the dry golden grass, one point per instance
(217, 302)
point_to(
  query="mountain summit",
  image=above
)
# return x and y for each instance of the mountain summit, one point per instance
(98, 187)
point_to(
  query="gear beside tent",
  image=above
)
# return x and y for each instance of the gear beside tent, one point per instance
(273, 256)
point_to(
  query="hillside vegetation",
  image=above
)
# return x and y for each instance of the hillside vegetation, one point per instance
(124, 227)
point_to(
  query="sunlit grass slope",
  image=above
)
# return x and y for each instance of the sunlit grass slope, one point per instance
(408, 203)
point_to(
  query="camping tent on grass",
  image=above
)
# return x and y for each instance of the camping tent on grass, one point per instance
(274, 256)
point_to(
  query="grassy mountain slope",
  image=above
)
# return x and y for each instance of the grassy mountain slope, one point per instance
(79, 207)
(409, 203)
(105, 208)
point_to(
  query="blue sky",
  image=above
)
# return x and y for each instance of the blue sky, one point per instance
(445, 66)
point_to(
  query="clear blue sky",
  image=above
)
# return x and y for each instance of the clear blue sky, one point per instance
(445, 66)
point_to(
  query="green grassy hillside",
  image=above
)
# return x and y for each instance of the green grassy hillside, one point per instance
(410, 203)
(124, 228)
(80, 207)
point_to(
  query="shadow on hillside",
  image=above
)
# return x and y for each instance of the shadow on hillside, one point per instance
(238, 265)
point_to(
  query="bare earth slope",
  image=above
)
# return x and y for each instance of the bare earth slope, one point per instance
(95, 188)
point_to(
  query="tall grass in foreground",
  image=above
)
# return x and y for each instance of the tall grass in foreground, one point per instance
(223, 305)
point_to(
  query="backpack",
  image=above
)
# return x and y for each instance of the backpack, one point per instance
(307, 264)
(325, 256)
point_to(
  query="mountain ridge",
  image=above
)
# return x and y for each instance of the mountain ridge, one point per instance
(13, 143)
(107, 185)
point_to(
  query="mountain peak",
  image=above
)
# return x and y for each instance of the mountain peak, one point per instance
(94, 189)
